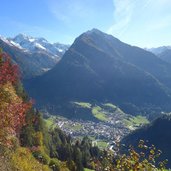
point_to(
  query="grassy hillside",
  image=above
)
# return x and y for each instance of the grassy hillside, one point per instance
(103, 112)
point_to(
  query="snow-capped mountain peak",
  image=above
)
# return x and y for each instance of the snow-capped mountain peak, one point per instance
(10, 42)
(21, 37)
(34, 55)
(5, 40)
(33, 44)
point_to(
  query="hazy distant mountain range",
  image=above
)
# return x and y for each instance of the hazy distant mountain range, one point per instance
(34, 55)
(159, 50)
(163, 52)
(100, 68)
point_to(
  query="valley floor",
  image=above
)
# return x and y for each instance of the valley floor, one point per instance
(111, 126)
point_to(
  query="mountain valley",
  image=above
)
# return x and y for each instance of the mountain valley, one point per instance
(93, 95)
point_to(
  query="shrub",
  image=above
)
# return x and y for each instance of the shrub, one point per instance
(22, 160)
(54, 164)
(41, 156)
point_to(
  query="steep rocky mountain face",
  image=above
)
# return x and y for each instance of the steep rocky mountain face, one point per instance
(100, 68)
(34, 55)
(157, 133)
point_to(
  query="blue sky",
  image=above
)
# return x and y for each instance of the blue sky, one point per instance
(144, 23)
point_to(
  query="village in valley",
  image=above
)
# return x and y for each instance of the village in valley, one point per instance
(111, 126)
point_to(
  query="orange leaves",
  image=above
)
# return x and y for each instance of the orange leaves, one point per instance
(12, 107)
(13, 116)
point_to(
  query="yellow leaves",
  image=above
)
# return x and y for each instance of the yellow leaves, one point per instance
(39, 139)
(23, 160)
(141, 159)
(12, 110)
(8, 95)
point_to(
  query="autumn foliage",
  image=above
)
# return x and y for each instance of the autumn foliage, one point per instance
(8, 72)
(12, 107)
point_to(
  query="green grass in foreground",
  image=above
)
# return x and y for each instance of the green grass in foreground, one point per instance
(96, 111)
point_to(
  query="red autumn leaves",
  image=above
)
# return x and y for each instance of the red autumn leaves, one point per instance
(12, 107)
(8, 71)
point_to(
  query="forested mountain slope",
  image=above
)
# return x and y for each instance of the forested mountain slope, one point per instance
(100, 68)
(157, 133)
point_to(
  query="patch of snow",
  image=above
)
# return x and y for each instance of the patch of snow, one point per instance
(60, 50)
(31, 39)
(45, 69)
(40, 46)
(16, 44)
(5, 40)
(55, 57)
